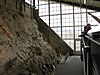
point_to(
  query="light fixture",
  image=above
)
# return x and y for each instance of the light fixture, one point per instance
(84, 1)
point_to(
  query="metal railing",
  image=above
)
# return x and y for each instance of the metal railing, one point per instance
(86, 56)
(90, 48)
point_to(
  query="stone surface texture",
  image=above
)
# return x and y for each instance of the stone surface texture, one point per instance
(23, 50)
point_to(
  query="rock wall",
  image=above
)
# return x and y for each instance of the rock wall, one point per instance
(23, 50)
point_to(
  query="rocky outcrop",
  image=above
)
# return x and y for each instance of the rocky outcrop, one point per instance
(23, 50)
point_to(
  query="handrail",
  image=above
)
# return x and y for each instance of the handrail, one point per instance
(87, 56)
(83, 41)
(92, 40)
(84, 44)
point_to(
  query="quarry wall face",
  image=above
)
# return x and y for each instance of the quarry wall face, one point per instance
(27, 45)
(23, 50)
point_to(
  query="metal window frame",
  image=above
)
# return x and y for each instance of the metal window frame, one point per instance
(61, 14)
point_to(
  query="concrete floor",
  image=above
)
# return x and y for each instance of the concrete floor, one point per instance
(73, 66)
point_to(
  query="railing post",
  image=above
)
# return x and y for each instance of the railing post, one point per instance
(88, 60)
(85, 61)
(87, 56)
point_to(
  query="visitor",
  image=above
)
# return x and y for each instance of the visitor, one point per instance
(86, 29)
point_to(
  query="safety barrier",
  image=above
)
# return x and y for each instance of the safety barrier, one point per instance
(91, 55)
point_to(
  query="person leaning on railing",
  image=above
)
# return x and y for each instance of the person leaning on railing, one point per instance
(86, 29)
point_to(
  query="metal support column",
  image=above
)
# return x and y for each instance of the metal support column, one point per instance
(33, 8)
(86, 14)
(34, 3)
(49, 19)
(49, 10)
(81, 30)
(38, 7)
(61, 16)
(74, 28)
(81, 14)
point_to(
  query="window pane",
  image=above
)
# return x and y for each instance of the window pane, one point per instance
(45, 19)
(67, 8)
(67, 32)
(54, 8)
(43, 10)
(76, 9)
(57, 30)
(55, 21)
(43, 2)
(70, 43)
(78, 46)
(67, 20)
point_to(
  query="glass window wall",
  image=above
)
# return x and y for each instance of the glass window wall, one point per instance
(64, 21)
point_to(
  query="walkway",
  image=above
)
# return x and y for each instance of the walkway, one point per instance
(73, 66)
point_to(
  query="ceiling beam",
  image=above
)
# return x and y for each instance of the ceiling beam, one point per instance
(78, 4)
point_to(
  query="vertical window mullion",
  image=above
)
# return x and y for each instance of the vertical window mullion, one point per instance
(61, 17)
